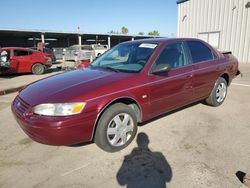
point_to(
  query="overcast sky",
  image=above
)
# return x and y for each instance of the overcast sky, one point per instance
(99, 16)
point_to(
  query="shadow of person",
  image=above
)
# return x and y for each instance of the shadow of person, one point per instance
(144, 168)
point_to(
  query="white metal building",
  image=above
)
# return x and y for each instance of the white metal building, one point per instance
(225, 24)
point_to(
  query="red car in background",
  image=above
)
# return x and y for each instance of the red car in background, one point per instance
(82, 64)
(23, 60)
(50, 53)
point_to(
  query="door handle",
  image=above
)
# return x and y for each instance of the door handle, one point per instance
(189, 76)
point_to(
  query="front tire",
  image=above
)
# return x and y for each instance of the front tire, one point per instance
(218, 94)
(38, 69)
(116, 128)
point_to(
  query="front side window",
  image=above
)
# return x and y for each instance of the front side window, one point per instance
(199, 51)
(21, 52)
(126, 57)
(174, 55)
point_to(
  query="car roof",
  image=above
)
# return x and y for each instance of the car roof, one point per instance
(17, 48)
(78, 45)
(162, 40)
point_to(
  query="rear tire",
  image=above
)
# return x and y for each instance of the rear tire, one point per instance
(116, 128)
(218, 94)
(38, 69)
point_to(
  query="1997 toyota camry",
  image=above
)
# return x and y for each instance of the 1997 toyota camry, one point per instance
(132, 82)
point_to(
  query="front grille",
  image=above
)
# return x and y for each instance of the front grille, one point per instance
(21, 106)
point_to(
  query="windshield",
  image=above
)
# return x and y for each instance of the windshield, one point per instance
(126, 57)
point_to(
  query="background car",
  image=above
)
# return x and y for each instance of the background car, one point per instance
(82, 64)
(99, 49)
(58, 52)
(22, 60)
(49, 52)
(77, 52)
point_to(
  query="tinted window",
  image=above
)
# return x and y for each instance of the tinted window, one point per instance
(174, 55)
(87, 48)
(20, 52)
(100, 47)
(199, 51)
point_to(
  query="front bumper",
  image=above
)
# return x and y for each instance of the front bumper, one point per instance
(56, 130)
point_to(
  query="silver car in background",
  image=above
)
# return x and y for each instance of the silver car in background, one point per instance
(99, 49)
(58, 52)
(76, 52)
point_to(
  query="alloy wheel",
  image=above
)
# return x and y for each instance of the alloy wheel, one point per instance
(120, 129)
(221, 92)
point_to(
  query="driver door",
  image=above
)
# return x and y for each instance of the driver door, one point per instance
(172, 89)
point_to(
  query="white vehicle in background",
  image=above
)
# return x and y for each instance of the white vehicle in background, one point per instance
(76, 52)
(99, 49)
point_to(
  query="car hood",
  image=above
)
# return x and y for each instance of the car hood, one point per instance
(78, 85)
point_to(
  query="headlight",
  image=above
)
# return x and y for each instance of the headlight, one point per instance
(59, 109)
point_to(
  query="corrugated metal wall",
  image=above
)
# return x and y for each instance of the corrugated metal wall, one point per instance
(228, 17)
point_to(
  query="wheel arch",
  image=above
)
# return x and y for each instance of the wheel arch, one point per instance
(226, 77)
(130, 101)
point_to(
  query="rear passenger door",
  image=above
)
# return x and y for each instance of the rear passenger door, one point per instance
(171, 89)
(204, 65)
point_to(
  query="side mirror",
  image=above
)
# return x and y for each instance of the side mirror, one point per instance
(161, 68)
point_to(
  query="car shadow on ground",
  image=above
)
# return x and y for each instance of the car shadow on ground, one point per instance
(51, 70)
(143, 168)
(57, 62)
(81, 144)
(170, 113)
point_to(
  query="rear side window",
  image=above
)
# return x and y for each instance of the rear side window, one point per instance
(21, 52)
(87, 48)
(75, 47)
(199, 51)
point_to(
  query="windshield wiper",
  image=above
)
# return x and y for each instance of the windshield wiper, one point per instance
(110, 68)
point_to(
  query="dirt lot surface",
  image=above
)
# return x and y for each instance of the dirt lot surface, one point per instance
(198, 146)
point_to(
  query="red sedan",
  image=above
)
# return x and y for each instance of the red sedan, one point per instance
(22, 60)
(82, 64)
(131, 83)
